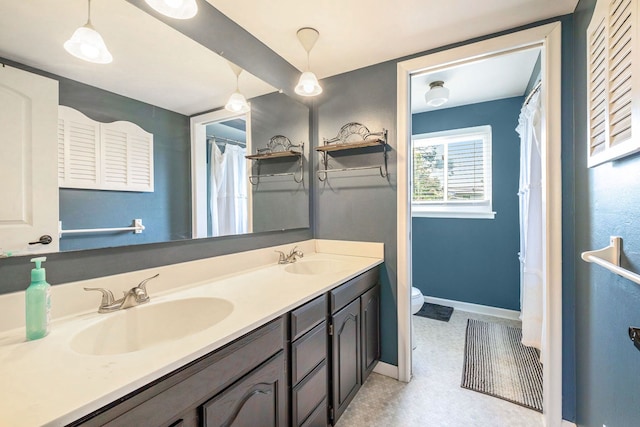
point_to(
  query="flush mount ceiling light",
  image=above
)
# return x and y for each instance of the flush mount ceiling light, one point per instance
(237, 103)
(437, 94)
(87, 44)
(179, 9)
(308, 84)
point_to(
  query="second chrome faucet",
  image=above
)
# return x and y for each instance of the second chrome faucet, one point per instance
(292, 257)
(133, 297)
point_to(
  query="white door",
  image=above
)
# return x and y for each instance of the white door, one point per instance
(28, 161)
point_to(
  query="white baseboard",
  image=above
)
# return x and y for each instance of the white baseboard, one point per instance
(386, 369)
(566, 423)
(476, 308)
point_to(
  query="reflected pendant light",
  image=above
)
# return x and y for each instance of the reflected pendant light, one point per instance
(178, 9)
(308, 84)
(237, 103)
(437, 94)
(87, 44)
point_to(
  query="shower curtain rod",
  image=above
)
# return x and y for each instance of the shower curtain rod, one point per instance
(534, 90)
(232, 141)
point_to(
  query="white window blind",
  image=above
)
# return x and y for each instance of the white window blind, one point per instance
(103, 156)
(612, 91)
(451, 173)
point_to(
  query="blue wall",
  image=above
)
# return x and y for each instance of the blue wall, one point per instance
(475, 260)
(607, 204)
(165, 212)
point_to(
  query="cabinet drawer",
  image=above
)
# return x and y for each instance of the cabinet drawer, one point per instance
(307, 395)
(344, 294)
(159, 402)
(318, 417)
(307, 316)
(308, 352)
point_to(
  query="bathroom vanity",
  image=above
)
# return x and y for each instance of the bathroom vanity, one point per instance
(294, 348)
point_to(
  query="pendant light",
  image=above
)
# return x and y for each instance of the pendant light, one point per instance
(87, 44)
(237, 103)
(308, 84)
(178, 9)
(437, 94)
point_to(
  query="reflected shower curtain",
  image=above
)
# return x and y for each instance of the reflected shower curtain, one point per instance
(228, 196)
(532, 291)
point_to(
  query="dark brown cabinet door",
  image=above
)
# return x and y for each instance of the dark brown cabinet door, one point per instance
(370, 318)
(346, 366)
(259, 399)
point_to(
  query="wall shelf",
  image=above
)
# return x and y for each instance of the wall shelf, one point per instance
(350, 137)
(278, 147)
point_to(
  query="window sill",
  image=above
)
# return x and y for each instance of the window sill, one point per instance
(453, 215)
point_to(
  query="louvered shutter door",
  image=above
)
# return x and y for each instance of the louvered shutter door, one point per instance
(127, 157)
(103, 156)
(80, 149)
(612, 84)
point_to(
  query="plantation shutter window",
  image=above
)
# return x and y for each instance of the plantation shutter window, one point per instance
(103, 156)
(612, 84)
(451, 173)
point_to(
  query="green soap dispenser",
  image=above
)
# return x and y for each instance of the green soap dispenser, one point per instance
(38, 302)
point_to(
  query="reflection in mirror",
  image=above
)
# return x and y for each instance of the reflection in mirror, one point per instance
(158, 80)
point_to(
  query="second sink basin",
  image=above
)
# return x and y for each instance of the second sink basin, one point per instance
(315, 267)
(142, 327)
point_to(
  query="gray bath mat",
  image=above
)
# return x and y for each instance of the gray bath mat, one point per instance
(435, 311)
(496, 363)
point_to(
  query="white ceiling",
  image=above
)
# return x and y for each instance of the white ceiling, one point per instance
(499, 77)
(151, 61)
(158, 65)
(358, 33)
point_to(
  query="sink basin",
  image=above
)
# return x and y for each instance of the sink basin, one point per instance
(315, 267)
(142, 327)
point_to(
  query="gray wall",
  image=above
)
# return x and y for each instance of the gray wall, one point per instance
(362, 205)
(607, 203)
(475, 260)
(280, 202)
(165, 212)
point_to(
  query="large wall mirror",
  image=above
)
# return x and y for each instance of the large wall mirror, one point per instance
(176, 89)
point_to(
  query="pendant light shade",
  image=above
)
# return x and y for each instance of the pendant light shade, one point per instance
(437, 94)
(178, 9)
(87, 44)
(308, 84)
(237, 103)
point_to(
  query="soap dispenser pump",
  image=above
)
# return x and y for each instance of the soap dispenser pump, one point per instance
(38, 302)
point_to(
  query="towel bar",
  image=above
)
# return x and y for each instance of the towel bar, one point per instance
(609, 258)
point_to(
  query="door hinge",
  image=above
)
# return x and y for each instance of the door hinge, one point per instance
(331, 329)
(331, 415)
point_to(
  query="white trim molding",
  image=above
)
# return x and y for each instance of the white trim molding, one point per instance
(386, 369)
(476, 308)
(548, 37)
(566, 423)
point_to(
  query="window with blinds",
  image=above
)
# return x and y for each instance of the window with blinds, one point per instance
(611, 84)
(451, 173)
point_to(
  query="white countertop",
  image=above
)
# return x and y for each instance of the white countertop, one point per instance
(45, 382)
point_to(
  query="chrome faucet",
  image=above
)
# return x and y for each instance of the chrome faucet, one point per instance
(292, 257)
(133, 297)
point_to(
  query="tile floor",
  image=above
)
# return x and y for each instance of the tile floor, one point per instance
(434, 397)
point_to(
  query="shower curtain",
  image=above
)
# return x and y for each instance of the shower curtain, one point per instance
(532, 292)
(228, 196)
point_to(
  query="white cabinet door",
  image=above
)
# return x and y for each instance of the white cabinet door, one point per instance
(28, 161)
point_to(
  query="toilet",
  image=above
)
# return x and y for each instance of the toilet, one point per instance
(417, 300)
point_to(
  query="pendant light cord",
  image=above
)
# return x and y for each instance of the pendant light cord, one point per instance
(89, 14)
